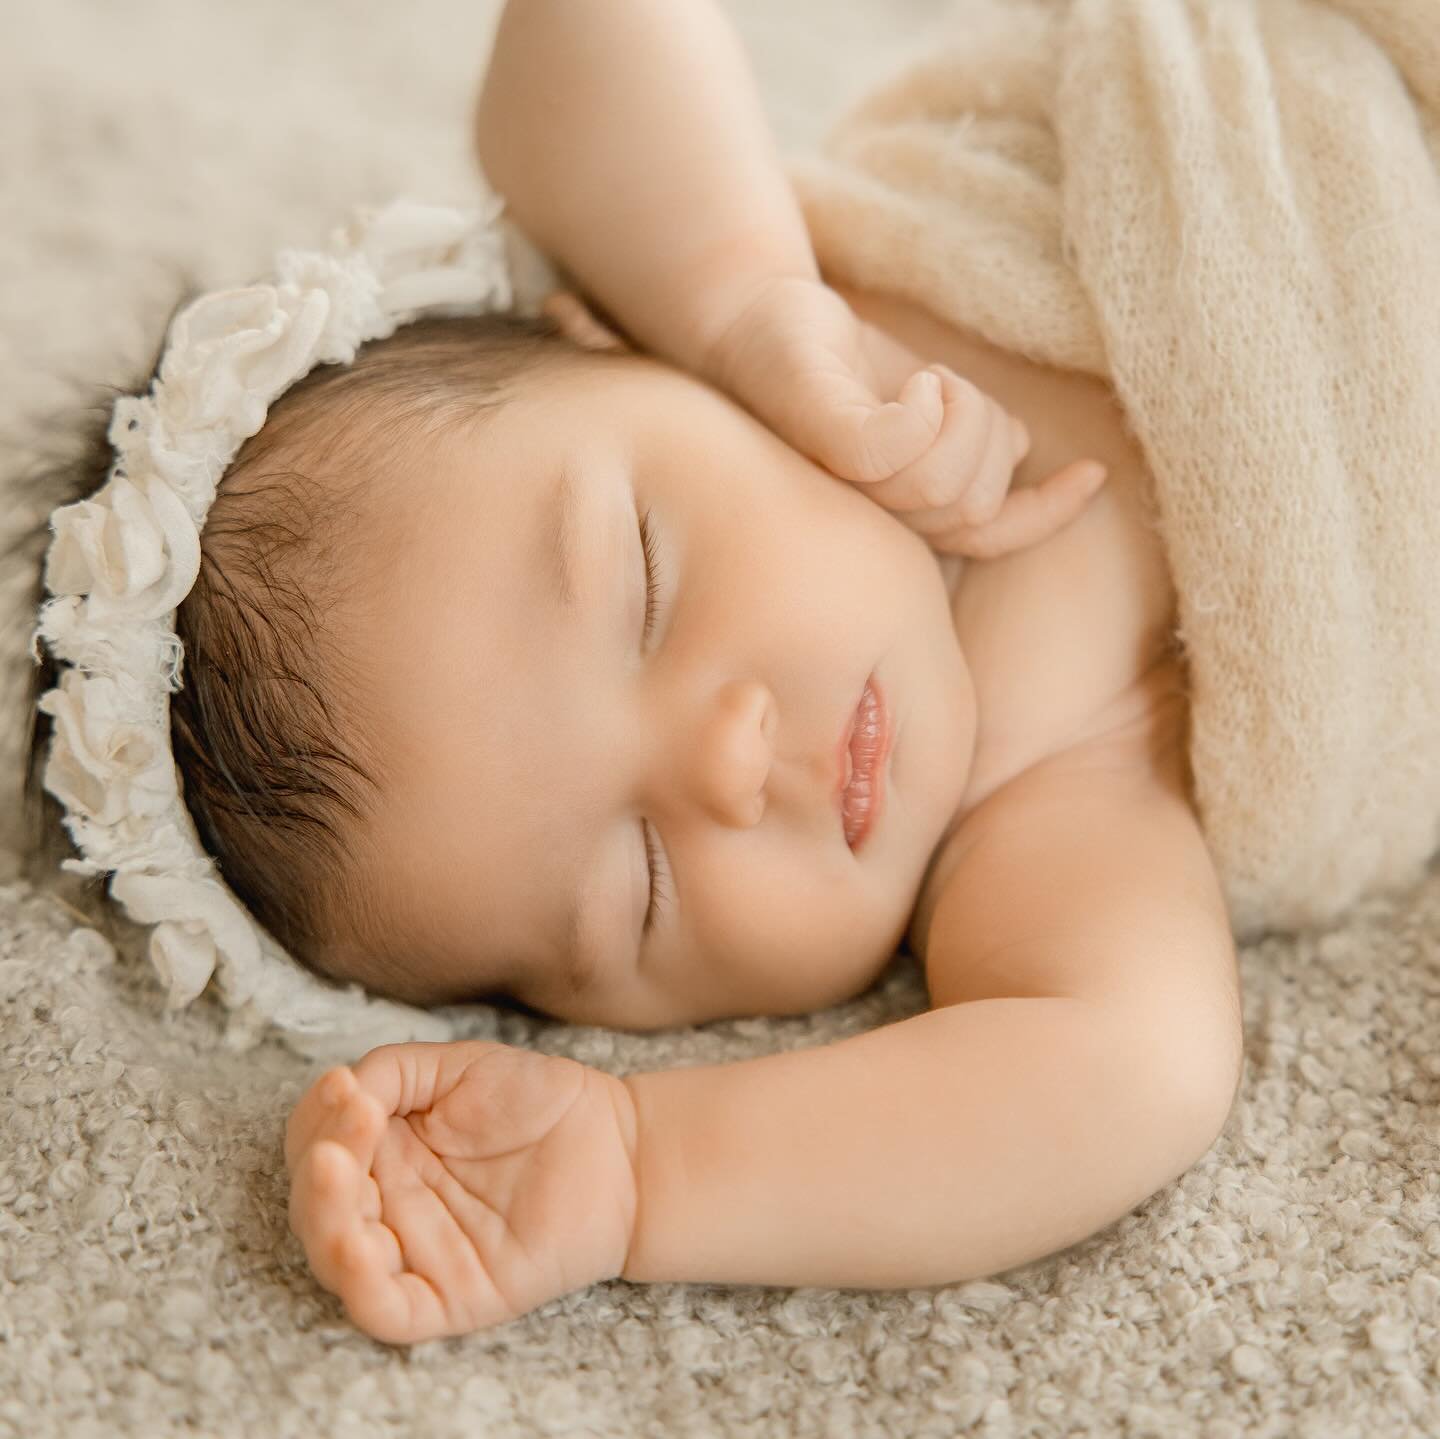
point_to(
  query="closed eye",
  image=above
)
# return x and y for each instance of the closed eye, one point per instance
(660, 890)
(658, 873)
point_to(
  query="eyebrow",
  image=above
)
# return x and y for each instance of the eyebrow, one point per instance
(561, 533)
(562, 522)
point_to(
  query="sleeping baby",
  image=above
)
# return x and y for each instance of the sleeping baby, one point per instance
(677, 655)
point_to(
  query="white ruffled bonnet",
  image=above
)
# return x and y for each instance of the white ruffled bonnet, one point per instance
(120, 563)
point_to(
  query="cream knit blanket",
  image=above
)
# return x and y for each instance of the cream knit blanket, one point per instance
(1229, 209)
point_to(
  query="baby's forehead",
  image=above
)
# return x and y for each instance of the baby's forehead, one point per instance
(502, 470)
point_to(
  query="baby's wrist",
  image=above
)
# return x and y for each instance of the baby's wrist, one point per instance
(636, 1268)
(627, 1127)
(721, 330)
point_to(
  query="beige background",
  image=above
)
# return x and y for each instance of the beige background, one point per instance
(148, 1285)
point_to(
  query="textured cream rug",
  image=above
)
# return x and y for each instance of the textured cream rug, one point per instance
(1288, 1285)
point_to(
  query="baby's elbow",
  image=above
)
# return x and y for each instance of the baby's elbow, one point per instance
(1198, 1077)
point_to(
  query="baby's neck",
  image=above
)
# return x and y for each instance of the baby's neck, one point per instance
(1015, 705)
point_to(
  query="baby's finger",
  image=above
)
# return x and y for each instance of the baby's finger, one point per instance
(985, 495)
(990, 480)
(325, 1216)
(945, 471)
(354, 1135)
(427, 1206)
(1028, 515)
(311, 1111)
(399, 1308)
(402, 1078)
(865, 443)
(580, 323)
(1021, 437)
(343, 1113)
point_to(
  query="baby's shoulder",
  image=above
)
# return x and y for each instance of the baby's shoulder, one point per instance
(1085, 874)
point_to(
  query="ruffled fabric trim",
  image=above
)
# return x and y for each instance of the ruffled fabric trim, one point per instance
(120, 563)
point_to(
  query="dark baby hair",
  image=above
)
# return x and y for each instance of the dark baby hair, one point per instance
(272, 767)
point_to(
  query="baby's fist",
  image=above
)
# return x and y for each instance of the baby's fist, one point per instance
(958, 494)
(941, 455)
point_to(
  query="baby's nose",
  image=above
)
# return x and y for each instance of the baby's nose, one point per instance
(734, 751)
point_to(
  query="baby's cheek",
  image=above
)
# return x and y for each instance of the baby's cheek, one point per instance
(793, 944)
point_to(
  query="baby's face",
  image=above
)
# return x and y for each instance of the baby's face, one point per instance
(545, 748)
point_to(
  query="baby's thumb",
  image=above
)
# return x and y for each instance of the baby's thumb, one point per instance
(858, 438)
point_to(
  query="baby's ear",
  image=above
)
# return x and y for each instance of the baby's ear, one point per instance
(579, 323)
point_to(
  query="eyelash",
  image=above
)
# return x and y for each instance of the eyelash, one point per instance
(652, 611)
(652, 855)
(652, 567)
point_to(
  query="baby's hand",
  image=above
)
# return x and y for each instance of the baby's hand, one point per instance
(940, 455)
(443, 1188)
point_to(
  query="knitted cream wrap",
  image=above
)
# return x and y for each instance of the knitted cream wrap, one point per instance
(1230, 210)
(120, 562)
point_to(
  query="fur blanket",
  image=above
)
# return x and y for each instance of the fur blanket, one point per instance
(1231, 211)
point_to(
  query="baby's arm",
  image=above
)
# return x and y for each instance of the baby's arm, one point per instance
(443, 1188)
(628, 139)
